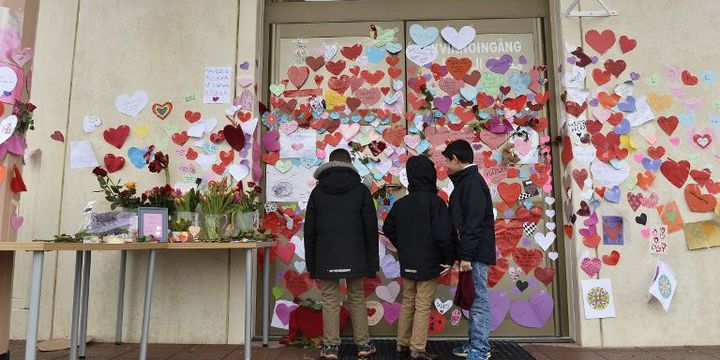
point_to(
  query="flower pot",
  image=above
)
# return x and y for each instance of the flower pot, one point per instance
(216, 226)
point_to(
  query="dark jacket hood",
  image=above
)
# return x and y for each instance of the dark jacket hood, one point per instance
(337, 177)
(458, 176)
(421, 174)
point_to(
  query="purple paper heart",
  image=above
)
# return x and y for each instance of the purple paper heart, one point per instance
(634, 76)
(508, 214)
(628, 105)
(392, 312)
(283, 312)
(623, 127)
(245, 65)
(594, 59)
(591, 220)
(526, 241)
(427, 77)
(571, 59)
(650, 164)
(593, 102)
(270, 141)
(499, 306)
(522, 59)
(613, 194)
(501, 65)
(589, 231)
(533, 313)
(442, 103)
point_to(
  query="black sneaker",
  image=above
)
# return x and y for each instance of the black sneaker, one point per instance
(329, 352)
(402, 352)
(366, 350)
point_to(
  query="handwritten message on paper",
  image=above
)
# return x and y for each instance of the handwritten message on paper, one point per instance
(658, 240)
(218, 85)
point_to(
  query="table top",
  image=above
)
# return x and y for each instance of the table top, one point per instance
(66, 246)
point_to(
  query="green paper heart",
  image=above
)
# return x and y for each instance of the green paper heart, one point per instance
(654, 80)
(671, 215)
(630, 182)
(277, 89)
(170, 128)
(277, 292)
(283, 166)
(491, 83)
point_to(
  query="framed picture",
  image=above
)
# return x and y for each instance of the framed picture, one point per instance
(153, 221)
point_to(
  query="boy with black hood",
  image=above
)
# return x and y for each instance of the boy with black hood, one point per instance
(419, 226)
(341, 241)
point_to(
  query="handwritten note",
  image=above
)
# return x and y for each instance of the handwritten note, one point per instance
(658, 240)
(218, 85)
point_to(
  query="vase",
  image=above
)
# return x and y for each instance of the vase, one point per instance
(244, 221)
(191, 216)
(216, 226)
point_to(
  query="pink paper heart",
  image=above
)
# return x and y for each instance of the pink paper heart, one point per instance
(16, 222)
(639, 158)
(645, 232)
(602, 114)
(589, 231)
(547, 187)
(21, 56)
(392, 312)
(675, 140)
(591, 266)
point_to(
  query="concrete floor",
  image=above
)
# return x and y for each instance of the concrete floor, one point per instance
(106, 351)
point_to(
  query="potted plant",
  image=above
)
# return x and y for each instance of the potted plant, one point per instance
(179, 230)
(216, 202)
(248, 203)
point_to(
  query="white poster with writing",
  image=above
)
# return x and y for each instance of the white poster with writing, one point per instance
(218, 85)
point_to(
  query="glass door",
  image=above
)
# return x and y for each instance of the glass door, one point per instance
(389, 90)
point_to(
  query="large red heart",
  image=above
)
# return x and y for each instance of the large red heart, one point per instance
(315, 62)
(117, 136)
(668, 124)
(335, 67)
(675, 171)
(286, 252)
(580, 176)
(351, 52)
(527, 259)
(601, 42)
(509, 192)
(497, 271)
(507, 235)
(531, 215)
(436, 323)
(627, 44)
(458, 67)
(296, 283)
(235, 136)
(611, 259)
(113, 163)
(544, 275)
(516, 104)
(615, 67)
(298, 75)
(601, 77)
(697, 201)
(339, 84)
(394, 135)
(372, 77)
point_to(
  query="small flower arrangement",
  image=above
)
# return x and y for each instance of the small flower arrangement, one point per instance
(158, 162)
(189, 201)
(24, 113)
(217, 198)
(247, 200)
(162, 197)
(122, 196)
(180, 225)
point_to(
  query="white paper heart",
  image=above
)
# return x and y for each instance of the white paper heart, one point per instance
(238, 172)
(21, 56)
(443, 306)
(244, 81)
(545, 240)
(249, 126)
(131, 105)
(205, 161)
(648, 132)
(299, 246)
(388, 293)
(7, 127)
(553, 255)
(421, 56)
(202, 127)
(90, 123)
(458, 39)
(329, 51)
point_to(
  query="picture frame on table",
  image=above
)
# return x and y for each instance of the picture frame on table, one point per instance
(153, 221)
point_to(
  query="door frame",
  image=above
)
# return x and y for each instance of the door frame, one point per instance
(278, 12)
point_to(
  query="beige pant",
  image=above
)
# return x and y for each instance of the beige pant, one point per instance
(417, 301)
(331, 311)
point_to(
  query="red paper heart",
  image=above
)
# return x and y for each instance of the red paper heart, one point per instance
(113, 163)
(601, 77)
(298, 75)
(352, 52)
(697, 201)
(615, 67)
(296, 283)
(191, 154)
(688, 78)
(545, 275)
(509, 192)
(335, 67)
(315, 63)
(473, 77)
(394, 135)
(458, 67)
(372, 77)
(497, 272)
(57, 136)
(507, 235)
(339, 84)
(611, 259)
(580, 176)
(700, 176)
(656, 152)
(271, 158)
(226, 157)
(117, 136)
(600, 42)
(192, 117)
(668, 124)
(627, 44)
(235, 136)
(17, 184)
(180, 138)
(675, 172)
(527, 259)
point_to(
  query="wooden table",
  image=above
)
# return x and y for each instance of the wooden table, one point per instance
(82, 286)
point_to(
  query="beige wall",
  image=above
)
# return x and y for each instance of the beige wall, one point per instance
(122, 46)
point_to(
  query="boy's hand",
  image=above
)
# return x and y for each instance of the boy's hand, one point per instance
(446, 269)
(465, 266)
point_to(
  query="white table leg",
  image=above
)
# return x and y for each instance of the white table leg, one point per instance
(76, 305)
(31, 337)
(85, 300)
(248, 302)
(121, 298)
(148, 300)
(266, 297)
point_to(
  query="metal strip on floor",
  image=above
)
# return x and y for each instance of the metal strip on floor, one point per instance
(501, 350)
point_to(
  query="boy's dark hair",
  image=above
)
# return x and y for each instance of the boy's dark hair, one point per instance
(461, 149)
(341, 155)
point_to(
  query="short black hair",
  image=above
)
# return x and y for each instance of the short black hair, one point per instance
(460, 149)
(340, 155)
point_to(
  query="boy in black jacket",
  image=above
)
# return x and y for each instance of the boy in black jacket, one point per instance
(419, 226)
(341, 241)
(472, 214)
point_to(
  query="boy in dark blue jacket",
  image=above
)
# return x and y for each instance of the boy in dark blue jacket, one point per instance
(419, 226)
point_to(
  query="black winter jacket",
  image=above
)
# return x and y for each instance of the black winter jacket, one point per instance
(472, 213)
(341, 227)
(419, 224)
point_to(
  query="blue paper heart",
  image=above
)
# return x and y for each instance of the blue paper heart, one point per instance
(714, 120)
(422, 146)
(344, 120)
(623, 127)
(650, 164)
(528, 204)
(708, 77)
(334, 115)
(356, 118)
(423, 36)
(524, 175)
(137, 156)
(628, 105)
(686, 119)
(613, 194)
(374, 55)
(469, 92)
(519, 82)
(393, 47)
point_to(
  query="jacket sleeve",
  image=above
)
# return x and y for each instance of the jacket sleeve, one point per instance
(370, 227)
(310, 236)
(442, 229)
(476, 204)
(390, 227)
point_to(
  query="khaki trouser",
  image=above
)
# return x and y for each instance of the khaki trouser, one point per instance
(331, 310)
(417, 300)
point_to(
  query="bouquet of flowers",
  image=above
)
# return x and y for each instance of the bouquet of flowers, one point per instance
(122, 196)
(247, 200)
(189, 201)
(162, 197)
(217, 203)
